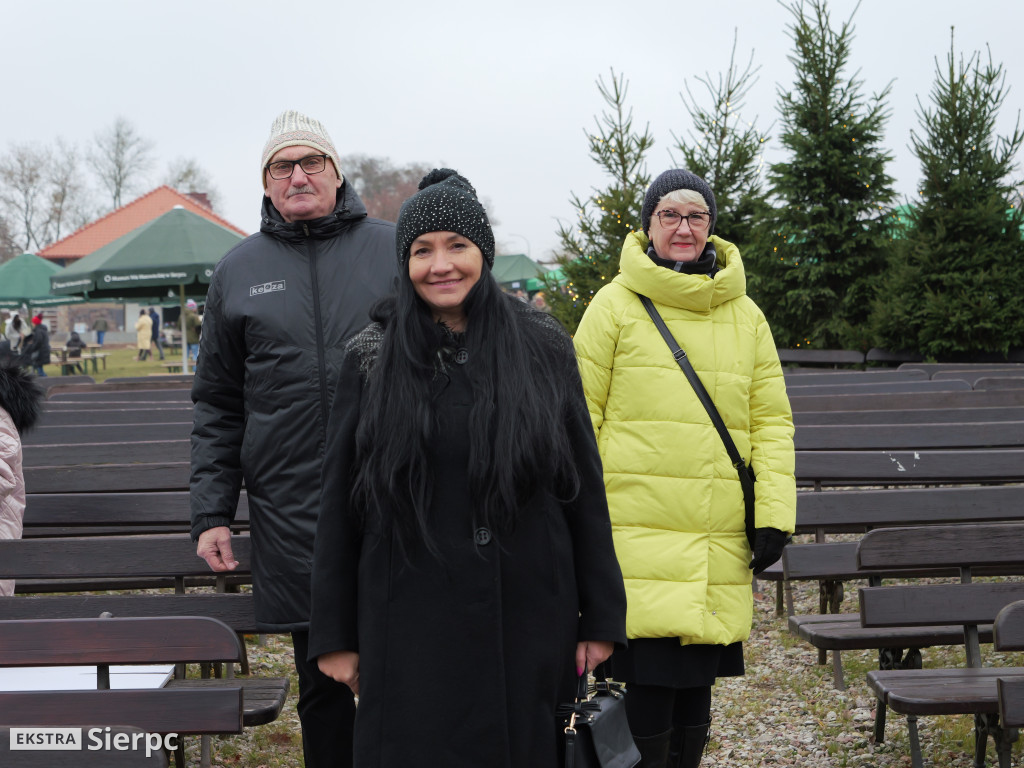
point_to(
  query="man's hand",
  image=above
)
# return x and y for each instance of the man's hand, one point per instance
(342, 666)
(591, 653)
(214, 546)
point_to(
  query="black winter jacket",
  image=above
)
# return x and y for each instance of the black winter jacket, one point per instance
(280, 307)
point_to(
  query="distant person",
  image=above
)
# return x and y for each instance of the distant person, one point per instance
(100, 326)
(35, 347)
(143, 335)
(281, 306)
(193, 327)
(20, 406)
(15, 332)
(539, 302)
(157, 331)
(74, 348)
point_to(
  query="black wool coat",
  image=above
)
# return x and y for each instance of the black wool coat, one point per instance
(463, 656)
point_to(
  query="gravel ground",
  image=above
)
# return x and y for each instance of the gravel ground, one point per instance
(784, 712)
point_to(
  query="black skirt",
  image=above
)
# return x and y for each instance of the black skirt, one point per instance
(663, 661)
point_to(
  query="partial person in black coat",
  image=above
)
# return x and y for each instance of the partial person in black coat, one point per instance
(463, 572)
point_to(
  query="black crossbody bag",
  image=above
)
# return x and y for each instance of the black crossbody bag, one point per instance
(745, 472)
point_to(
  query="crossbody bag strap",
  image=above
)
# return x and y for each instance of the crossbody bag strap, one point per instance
(745, 473)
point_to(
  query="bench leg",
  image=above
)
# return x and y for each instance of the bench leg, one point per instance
(916, 759)
(879, 721)
(780, 609)
(179, 753)
(838, 682)
(204, 751)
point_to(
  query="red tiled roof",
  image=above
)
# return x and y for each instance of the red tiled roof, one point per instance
(127, 218)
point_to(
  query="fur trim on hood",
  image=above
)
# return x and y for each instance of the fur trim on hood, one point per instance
(21, 397)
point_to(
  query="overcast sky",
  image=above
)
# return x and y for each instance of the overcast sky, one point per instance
(500, 91)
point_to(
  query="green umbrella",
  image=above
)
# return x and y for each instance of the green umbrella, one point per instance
(176, 250)
(25, 282)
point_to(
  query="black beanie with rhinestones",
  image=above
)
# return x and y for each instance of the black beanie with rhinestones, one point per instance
(446, 202)
(670, 181)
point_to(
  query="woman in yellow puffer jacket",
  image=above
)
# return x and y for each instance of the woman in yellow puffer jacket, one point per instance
(676, 502)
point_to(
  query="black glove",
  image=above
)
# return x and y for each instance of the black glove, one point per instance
(768, 546)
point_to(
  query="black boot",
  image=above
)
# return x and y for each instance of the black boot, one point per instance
(688, 745)
(653, 749)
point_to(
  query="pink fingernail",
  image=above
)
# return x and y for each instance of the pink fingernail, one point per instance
(579, 671)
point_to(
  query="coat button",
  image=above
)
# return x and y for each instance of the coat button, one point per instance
(461, 356)
(482, 537)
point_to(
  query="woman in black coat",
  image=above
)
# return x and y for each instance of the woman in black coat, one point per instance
(464, 574)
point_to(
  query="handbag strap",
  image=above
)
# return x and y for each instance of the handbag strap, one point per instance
(746, 477)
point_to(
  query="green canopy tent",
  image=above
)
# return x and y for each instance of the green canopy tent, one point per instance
(176, 250)
(537, 283)
(512, 270)
(25, 282)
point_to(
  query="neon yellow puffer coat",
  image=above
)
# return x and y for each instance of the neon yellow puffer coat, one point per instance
(675, 499)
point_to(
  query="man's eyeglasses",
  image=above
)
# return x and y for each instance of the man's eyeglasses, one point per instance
(311, 164)
(698, 221)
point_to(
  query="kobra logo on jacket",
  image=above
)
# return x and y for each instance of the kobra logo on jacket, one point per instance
(271, 287)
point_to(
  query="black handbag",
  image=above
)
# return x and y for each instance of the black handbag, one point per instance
(746, 473)
(596, 733)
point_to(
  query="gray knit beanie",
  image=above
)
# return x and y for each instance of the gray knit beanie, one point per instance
(446, 202)
(294, 129)
(670, 181)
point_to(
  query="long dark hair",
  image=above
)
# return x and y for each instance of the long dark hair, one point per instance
(522, 373)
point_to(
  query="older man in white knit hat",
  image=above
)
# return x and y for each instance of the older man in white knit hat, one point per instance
(281, 305)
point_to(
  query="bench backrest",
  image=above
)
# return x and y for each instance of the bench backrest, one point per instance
(795, 389)
(86, 557)
(961, 546)
(903, 436)
(174, 710)
(862, 509)
(903, 467)
(803, 376)
(900, 401)
(236, 610)
(102, 641)
(911, 416)
(1008, 632)
(824, 356)
(156, 512)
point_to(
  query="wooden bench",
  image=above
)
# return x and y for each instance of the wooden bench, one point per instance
(930, 369)
(111, 641)
(897, 401)
(921, 692)
(833, 357)
(91, 514)
(795, 390)
(910, 416)
(84, 563)
(796, 377)
(1009, 636)
(86, 757)
(832, 563)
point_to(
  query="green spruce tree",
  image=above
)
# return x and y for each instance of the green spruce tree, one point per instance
(589, 255)
(956, 288)
(726, 151)
(816, 265)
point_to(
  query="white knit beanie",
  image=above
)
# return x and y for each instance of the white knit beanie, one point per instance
(294, 129)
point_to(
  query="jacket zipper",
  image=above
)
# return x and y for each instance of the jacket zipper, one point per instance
(321, 367)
